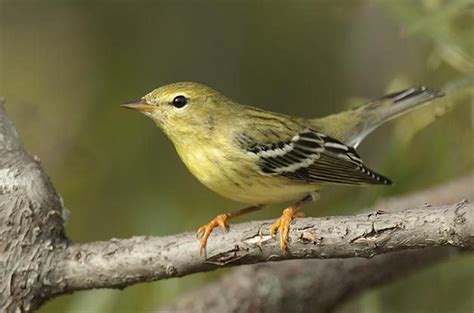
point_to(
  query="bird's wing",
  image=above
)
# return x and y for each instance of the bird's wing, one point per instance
(314, 157)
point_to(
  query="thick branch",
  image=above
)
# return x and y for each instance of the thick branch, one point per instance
(119, 263)
(319, 285)
(31, 227)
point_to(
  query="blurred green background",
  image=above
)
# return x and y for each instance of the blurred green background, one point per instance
(65, 66)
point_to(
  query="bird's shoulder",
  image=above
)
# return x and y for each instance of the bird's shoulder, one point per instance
(259, 127)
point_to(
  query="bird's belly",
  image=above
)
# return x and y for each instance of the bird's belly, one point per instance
(240, 180)
(265, 190)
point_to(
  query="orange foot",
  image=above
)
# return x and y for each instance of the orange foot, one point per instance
(282, 225)
(204, 231)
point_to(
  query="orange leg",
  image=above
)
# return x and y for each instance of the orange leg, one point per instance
(282, 224)
(221, 220)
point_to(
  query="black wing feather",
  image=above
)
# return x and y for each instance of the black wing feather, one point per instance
(317, 158)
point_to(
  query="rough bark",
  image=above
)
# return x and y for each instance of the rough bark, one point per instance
(31, 226)
(118, 263)
(37, 261)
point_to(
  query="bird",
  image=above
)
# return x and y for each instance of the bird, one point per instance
(259, 157)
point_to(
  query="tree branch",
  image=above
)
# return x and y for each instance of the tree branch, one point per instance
(31, 225)
(38, 262)
(119, 263)
(321, 285)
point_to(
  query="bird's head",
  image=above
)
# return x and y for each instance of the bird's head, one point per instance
(184, 108)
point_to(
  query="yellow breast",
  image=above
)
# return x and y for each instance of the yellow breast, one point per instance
(234, 175)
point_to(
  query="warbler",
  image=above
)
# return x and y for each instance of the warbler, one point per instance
(259, 157)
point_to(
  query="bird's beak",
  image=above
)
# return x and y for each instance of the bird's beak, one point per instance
(139, 105)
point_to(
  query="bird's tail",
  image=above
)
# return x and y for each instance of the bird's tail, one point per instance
(361, 121)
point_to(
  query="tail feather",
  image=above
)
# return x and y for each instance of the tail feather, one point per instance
(409, 93)
(361, 121)
(390, 106)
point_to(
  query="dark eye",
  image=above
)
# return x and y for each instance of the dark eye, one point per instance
(180, 101)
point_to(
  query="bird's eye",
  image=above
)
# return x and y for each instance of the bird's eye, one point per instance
(180, 101)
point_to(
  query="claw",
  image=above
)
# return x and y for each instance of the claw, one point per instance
(205, 231)
(282, 225)
(274, 228)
